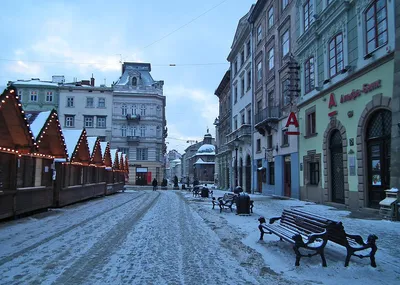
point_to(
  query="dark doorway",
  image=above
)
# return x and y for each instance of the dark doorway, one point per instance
(287, 177)
(337, 175)
(378, 144)
(248, 174)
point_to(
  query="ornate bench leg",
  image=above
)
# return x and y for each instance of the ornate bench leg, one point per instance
(261, 232)
(374, 248)
(322, 254)
(298, 255)
(348, 256)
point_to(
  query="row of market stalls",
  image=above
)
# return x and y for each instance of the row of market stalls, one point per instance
(43, 166)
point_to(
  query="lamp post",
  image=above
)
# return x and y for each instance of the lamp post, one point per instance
(236, 143)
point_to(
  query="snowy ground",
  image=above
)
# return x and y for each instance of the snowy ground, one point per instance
(279, 256)
(169, 237)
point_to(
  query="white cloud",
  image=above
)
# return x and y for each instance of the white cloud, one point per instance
(27, 69)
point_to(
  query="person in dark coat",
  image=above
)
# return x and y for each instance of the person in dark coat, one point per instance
(154, 184)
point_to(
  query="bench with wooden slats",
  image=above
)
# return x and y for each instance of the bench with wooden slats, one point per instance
(304, 232)
(337, 234)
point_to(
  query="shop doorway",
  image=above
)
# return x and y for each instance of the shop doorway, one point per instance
(378, 139)
(141, 176)
(337, 175)
(287, 177)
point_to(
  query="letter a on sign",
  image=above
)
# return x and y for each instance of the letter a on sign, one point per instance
(292, 120)
(332, 101)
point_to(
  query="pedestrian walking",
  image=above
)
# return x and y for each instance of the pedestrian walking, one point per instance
(154, 184)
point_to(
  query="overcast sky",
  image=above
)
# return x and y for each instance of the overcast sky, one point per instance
(77, 38)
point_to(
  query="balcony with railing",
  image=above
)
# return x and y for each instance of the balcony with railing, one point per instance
(133, 117)
(243, 132)
(133, 139)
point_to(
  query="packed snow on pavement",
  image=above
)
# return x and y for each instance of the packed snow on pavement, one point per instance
(171, 237)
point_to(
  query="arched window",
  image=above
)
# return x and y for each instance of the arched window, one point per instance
(336, 55)
(134, 81)
(376, 25)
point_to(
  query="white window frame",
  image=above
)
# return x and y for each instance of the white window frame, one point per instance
(69, 121)
(143, 110)
(49, 94)
(70, 102)
(33, 94)
(143, 131)
(259, 71)
(103, 100)
(88, 121)
(100, 119)
(123, 130)
(271, 58)
(270, 17)
(284, 42)
(87, 102)
(259, 33)
(124, 110)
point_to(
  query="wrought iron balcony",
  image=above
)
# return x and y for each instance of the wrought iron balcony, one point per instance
(133, 139)
(243, 132)
(134, 117)
(269, 114)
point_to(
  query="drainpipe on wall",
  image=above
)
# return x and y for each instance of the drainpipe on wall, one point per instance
(253, 164)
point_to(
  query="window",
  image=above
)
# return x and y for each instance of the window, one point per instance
(134, 109)
(158, 131)
(248, 48)
(309, 79)
(285, 43)
(259, 33)
(235, 94)
(269, 142)
(235, 123)
(49, 96)
(271, 98)
(88, 121)
(308, 11)
(259, 71)
(158, 155)
(242, 86)
(101, 122)
(376, 25)
(89, 102)
(20, 95)
(124, 110)
(314, 173)
(123, 130)
(271, 58)
(124, 150)
(285, 138)
(311, 122)
(141, 153)
(70, 102)
(235, 67)
(142, 131)
(132, 131)
(270, 17)
(271, 168)
(102, 138)
(242, 57)
(158, 110)
(69, 121)
(336, 55)
(248, 80)
(284, 3)
(34, 96)
(285, 92)
(249, 117)
(259, 106)
(134, 81)
(143, 110)
(101, 103)
(258, 145)
(243, 118)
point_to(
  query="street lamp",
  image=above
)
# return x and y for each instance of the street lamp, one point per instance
(236, 144)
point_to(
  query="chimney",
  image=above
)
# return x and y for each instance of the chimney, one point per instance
(92, 81)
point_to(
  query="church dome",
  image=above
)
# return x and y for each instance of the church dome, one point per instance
(206, 149)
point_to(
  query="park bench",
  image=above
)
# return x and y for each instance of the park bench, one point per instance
(303, 232)
(227, 201)
(352, 243)
(297, 225)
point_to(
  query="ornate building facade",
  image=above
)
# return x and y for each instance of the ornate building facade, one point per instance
(139, 124)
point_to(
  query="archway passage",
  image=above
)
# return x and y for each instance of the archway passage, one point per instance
(337, 175)
(378, 136)
(248, 174)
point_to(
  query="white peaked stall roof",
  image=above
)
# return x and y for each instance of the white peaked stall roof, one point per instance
(91, 143)
(200, 161)
(119, 157)
(38, 123)
(113, 152)
(71, 140)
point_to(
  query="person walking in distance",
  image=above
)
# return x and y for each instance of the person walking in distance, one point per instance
(154, 184)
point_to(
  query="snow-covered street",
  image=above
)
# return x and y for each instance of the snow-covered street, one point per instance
(170, 237)
(130, 238)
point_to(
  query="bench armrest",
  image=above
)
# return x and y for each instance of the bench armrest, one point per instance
(314, 236)
(358, 239)
(273, 220)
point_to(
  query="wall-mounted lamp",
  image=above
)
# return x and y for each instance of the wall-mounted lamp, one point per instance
(276, 147)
